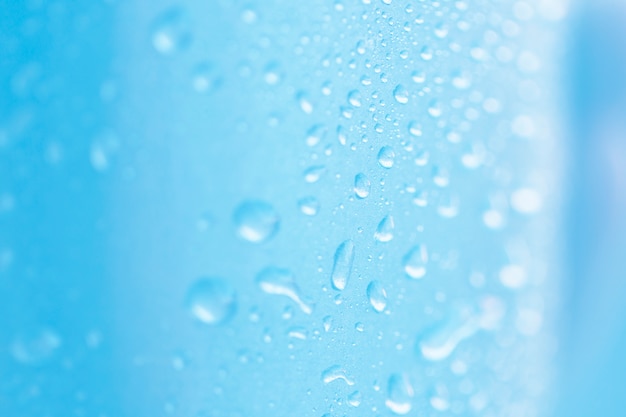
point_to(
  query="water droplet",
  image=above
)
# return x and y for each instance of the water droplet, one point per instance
(401, 94)
(342, 266)
(418, 77)
(211, 300)
(328, 323)
(314, 173)
(355, 399)
(280, 281)
(513, 276)
(415, 129)
(438, 343)
(309, 205)
(399, 394)
(415, 262)
(377, 296)
(271, 73)
(256, 221)
(103, 150)
(315, 134)
(384, 231)
(305, 102)
(434, 109)
(526, 201)
(359, 327)
(35, 346)
(462, 80)
(335, 373)
(170, 31)
(386, 157)
(354, 98)
(362, 186)
(297, 332)
(426, 53)
(204, 78)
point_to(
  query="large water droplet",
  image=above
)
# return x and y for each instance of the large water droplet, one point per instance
(384, 231)
(377, 296)
(34, 346)
(335, 373)
(170, 31)
(362, 186)
(280, 281)
(386, 157)
(399, 394)
(211, 300)
(256, 221)
(401, 94)
(342, 266)
(415, 262)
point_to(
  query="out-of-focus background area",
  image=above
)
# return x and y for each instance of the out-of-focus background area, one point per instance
(324, 208)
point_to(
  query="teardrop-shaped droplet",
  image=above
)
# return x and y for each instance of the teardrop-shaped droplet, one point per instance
(280, 281)
(256, 221)
(415, 261)
(211, 300)
(335, 373)
(377, 296)
(362, 186)
(401, 94)
(386, 157)
(399, 394)
(384, 231)
(342, 266)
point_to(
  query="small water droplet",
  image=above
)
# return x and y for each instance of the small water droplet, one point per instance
(271, 73)
(384, 231)
(314, 173)
(309, 205)
(297, 332)
(280, 281)
(415, 262)
(328, 323)
(342, 265)
(335, 373)
(415, 129)
(170, 31)
(305, 102)
(426, 53)
(204, 78)
(434, 109)
(399, 394)
(362, 186)
(256, 221)
(418, 77)
(211, 300)
(401, 94)
(359, 327)
(315, 134)
(377, 296)
(386, 157)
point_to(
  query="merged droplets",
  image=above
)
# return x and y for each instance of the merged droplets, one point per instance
(414, 262)
(211, 300)
(401, 94)
(377, 296)
(280, 281)
(362, 186)
(399, 394)
(386, 157)
(335, 373)
(256, 221)
(170, 31)
(342, 265)
(35, 346)
(384, 231)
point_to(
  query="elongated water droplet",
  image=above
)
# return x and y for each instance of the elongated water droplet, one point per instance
(335, 373)
(384, 231)
(315, 134)
(211, 300)
(437, 344)
(362, 186)
(280, 281)
(401, 94)
(377, 296)
(415, 262)
(399, 394)
(305, 102)
(297, 332)
(386, 157)
(342, 266)
(170, 31)
(256, 221)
